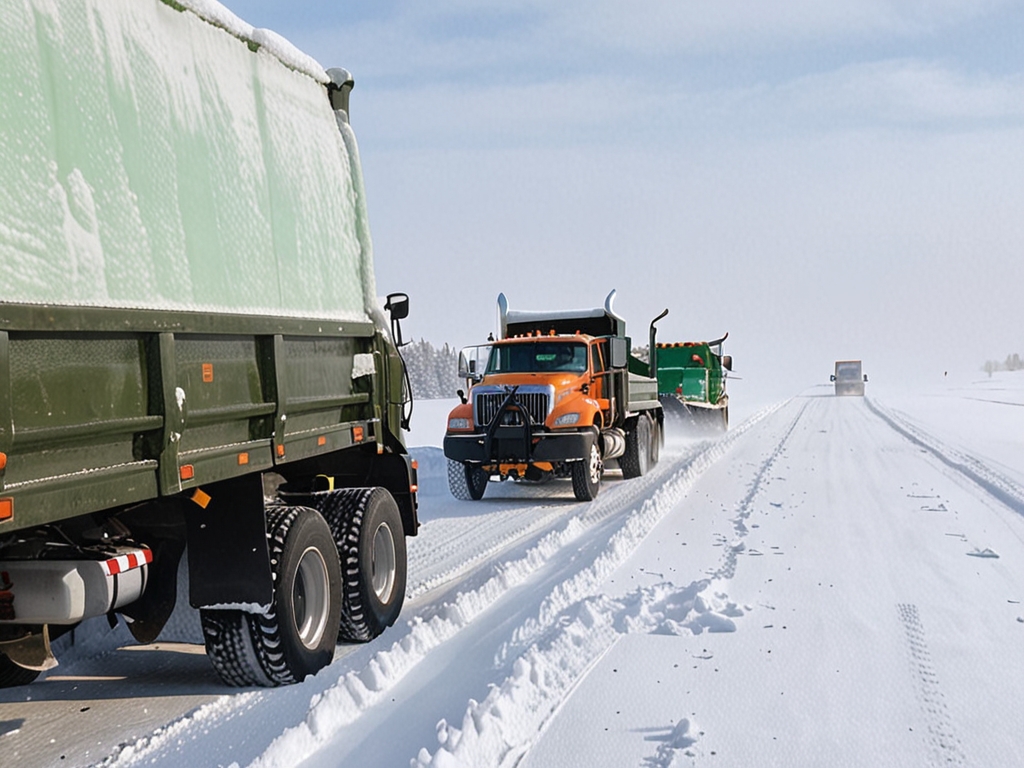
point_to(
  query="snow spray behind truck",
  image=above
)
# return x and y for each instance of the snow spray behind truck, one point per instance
(554, 396)
(191, 350)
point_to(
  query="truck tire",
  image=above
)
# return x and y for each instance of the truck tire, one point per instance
(370, 538)
(656, 441)
(12, 674)
(296, 637)
(637, 459)
(586, 475)
(467, 482)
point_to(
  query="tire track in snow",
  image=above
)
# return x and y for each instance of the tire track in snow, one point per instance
(989, 480)
(942, 740)
(728, 567)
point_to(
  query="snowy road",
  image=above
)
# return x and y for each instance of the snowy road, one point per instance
(835, 582)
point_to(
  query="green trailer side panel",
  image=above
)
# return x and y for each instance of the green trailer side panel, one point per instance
(93, 421)
(690, 371)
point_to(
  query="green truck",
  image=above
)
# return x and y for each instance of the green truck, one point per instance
(692, 380)
(192, 355)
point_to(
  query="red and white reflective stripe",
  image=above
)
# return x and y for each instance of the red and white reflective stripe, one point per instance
(127, 562)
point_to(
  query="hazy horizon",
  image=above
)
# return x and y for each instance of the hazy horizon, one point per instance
(820, 182)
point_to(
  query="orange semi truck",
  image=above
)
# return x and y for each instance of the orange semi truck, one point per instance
(552, 397)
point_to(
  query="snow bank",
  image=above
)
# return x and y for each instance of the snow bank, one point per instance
(177, 159)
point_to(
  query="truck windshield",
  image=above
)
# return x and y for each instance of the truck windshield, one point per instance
(538, 357)
(847, 370)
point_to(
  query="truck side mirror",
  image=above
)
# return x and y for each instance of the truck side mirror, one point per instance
(397, 306)
(865, 377)
(470, 361)
(727, 362)
(617, 345)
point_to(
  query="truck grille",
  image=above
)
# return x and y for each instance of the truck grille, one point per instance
(487, 404)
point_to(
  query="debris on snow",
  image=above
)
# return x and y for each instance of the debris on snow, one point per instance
(986, 552)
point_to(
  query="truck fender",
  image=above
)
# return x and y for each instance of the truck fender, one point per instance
(228, 558)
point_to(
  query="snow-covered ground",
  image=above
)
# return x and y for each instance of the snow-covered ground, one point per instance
(836, 581)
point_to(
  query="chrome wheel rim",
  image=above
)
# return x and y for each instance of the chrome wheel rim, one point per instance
(595, 465)
(311, 602)
(383, 563)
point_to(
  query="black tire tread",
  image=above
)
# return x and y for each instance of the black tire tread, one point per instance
(12, 674)
(246, 648)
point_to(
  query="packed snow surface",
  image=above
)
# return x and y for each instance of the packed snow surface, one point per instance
(835, 581)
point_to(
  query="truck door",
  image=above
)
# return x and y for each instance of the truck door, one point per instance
(599, 387)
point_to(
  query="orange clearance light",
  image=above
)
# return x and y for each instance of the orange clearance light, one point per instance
(280, 449)
(6, 509)
(3, 461)
(201, 498)
(413, 488)
(415, 464)
(357, 434)
(243, 458)
(321, 440)
(187, 472)
(207, 372)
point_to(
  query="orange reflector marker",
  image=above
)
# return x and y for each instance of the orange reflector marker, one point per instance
(207, 372)
(202, 498)
(3, 461)
(243, 458)
(280, 449)
(6, 509)
(415, 464)
(321, 440)
(187, 472)
(357, 434)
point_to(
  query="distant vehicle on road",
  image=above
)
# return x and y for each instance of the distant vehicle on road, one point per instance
(849, 378)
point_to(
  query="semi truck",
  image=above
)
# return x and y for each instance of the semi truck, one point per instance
(193, 359)
(553, 396)
(692, 379)
(849, 377)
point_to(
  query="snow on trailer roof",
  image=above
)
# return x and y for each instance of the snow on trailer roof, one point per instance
(167, 155)
(216, 14)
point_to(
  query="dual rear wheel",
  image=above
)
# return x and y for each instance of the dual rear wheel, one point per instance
(339, 568)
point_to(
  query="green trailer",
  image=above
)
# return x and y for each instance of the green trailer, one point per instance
(692, 382)
(192, 354)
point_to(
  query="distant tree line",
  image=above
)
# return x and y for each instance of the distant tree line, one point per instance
(433, 373)
(1012, 363)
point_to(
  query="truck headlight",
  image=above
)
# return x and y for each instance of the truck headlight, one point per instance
(458, 424)
(567, 419)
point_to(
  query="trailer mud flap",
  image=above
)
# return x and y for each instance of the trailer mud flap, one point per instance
(228, 562)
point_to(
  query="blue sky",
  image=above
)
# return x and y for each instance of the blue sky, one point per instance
(820, 180)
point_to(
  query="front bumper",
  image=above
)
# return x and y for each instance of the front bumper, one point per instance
(513, 445)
